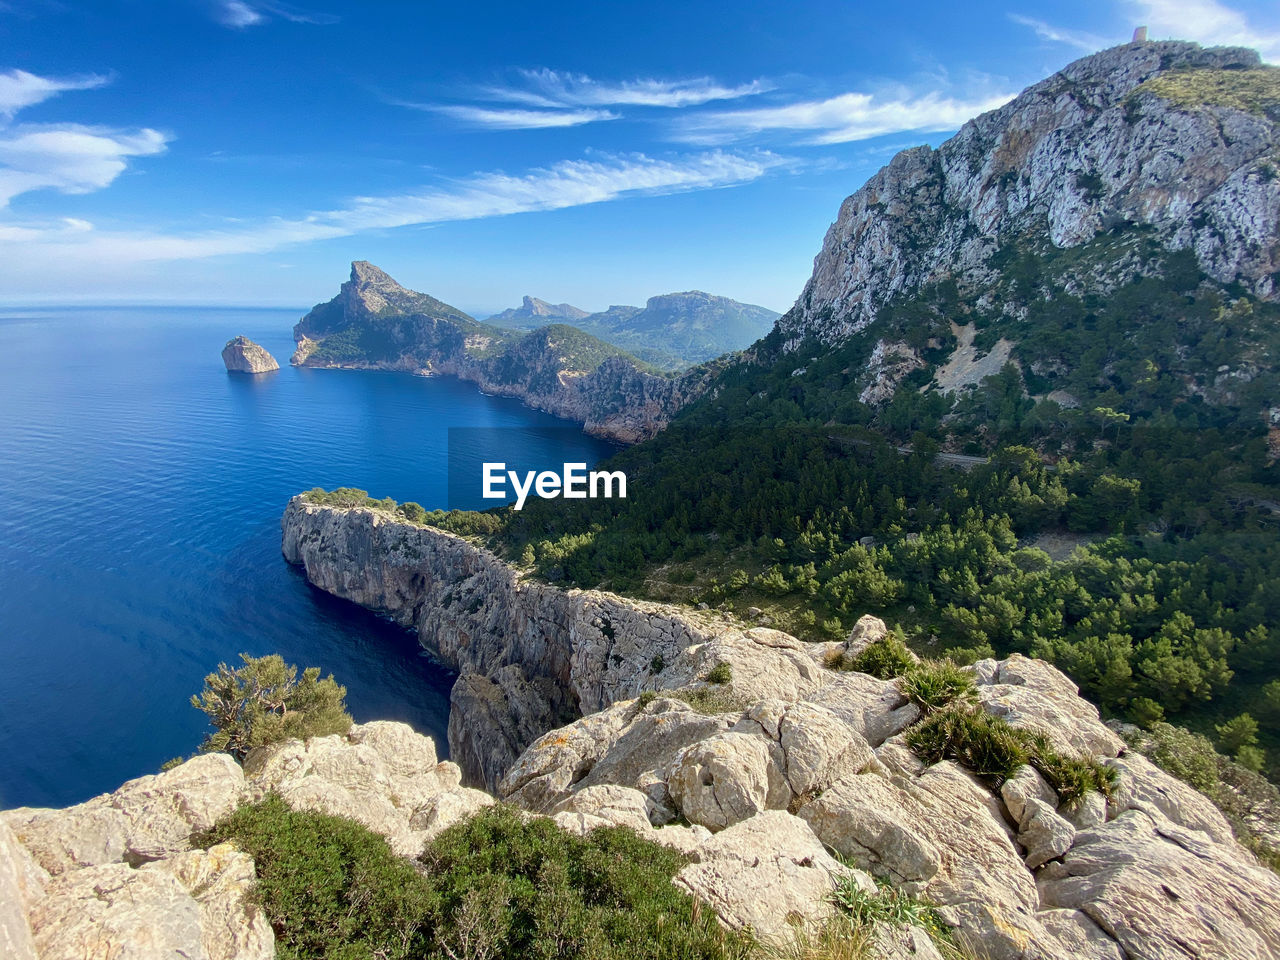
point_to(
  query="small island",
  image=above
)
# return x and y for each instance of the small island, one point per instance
(242, 355)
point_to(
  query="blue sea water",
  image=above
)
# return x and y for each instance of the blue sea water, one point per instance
(141, 489)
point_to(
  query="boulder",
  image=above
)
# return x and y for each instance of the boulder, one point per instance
(447, 808)
(1045, 835)
(893, 941)
(767, 873)
(1026, 784)
(620, 806)
(875, 709)
(1144, 786)
(727, 778)
(819, 748)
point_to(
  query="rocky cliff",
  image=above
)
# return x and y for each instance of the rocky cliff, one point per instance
(242, 355)
(533, 312)
(1139, 139)
(774, 757)
(374, 323)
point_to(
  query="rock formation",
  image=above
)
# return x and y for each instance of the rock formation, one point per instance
(533, 312)
(1085, 151)
(242, 355)
(376, 323)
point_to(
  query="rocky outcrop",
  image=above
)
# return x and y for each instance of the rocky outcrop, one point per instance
(1092, 148)
(374, 323)
(242, 355)
(533, 312)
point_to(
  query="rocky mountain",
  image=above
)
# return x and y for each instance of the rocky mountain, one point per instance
(672, 331)
(1150, 160)
(242, 355)
(534, 313)
(374, 323)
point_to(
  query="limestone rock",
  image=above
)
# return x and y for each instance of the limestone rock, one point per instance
(765, 873)
(221, 880)
(1045, 835)
(620, 806)
(22, 881)
(1026, 784)
(145, 819)
(113, 910)
(1164, 891)
(727, 778)
(901, 942)
(445, 809)
(1144, 786)
(242, 355)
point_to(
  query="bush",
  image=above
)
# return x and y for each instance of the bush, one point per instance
(994, 750)
(531, 889)
(885, 658)
(886, 905)
(330, 886)
(935, 684)
(493, 886)
(721, 673)
(263, 702)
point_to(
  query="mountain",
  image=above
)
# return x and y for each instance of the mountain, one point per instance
(534, 312)
(672, 331)
(375, 323)
(1027, 403)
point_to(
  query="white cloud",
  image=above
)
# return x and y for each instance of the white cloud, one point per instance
(239, 14)
(19, 89)
(841, 119)
(503, 119)
(1081, 40)
(1207, 22)
(65, 246)
(552, 88)
(68, 157)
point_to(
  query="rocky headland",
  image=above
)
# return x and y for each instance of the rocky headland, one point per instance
(375, 323)
(242, 355)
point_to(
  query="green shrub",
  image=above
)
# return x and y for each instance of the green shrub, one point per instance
(721, 673)
(531, 889)
(711, 700)
(935, 684)
(885, 658)
(1188, 756)
(494, 886)
(994, 750)
(264, 702)
(887, 905)
(331, 887)
(646, 697)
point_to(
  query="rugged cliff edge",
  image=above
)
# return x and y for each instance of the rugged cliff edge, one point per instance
(752, 736)
(529, 656)
(374, 323)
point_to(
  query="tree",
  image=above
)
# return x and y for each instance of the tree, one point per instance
(264, 702)
(1241, 731)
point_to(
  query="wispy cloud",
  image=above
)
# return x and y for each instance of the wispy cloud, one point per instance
(512, 119)
(239, 14)
(553, 88)
(570, 183)
(841, 119)
(19, 89)
(1080, 39)
(68, 157)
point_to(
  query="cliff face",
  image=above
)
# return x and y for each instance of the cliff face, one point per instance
(529, 656)
(1124, 140)
(374, 323)
(242, 355)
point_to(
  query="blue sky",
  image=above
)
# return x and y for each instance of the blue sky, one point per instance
(244, 151)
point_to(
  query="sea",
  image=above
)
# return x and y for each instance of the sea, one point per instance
(141, 490)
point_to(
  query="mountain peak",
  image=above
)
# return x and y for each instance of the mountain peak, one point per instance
(362, 271)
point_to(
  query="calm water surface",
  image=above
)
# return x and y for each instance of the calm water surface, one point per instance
(141, 489)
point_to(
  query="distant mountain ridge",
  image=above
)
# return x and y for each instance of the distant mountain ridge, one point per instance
(375, 323)
(672, 330)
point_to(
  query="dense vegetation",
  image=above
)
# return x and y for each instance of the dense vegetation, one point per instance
(496, 886)
(263, 701)
(781, 490)
(1256, 91)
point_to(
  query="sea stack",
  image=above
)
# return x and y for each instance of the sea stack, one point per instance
(242, 355)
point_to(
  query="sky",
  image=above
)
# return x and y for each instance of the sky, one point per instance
(245, 151)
